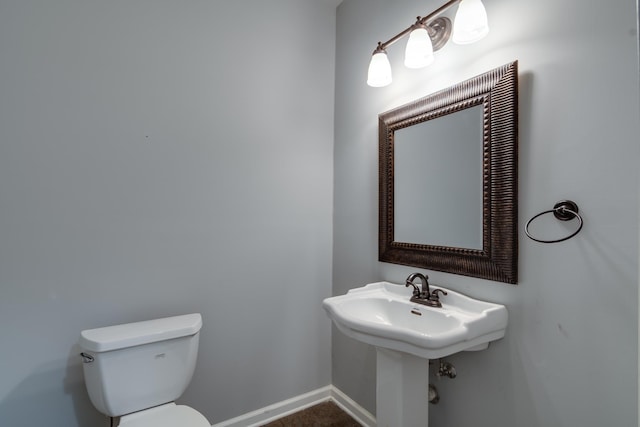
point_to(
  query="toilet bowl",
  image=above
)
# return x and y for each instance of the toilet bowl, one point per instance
(136, 371)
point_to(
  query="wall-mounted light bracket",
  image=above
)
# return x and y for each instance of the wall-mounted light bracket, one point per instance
(440, 32)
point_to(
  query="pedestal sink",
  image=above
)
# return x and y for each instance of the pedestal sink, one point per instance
(406, 335)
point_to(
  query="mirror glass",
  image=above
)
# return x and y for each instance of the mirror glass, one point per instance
(448, 179)
(448, 214)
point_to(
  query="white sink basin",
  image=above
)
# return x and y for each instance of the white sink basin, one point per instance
(381, 314)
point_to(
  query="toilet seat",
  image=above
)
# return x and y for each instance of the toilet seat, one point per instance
(167, 415)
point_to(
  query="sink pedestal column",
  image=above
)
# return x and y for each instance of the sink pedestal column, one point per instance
(402, 391)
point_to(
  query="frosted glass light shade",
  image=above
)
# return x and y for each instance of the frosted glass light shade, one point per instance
(379, 70)
(470, 24)
(419, 50)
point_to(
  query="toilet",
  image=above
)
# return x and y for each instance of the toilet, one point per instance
(136, 371)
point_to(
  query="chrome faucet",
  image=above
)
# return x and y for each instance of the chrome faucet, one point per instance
(424, 296)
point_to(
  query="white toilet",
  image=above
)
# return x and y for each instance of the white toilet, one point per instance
(135, 371)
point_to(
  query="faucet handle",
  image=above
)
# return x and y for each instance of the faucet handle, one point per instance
(434, 294)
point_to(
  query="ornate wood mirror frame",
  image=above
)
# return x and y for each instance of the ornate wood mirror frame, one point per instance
(497, 92)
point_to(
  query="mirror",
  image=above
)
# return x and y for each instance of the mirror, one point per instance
(448, 179)
(424, 157)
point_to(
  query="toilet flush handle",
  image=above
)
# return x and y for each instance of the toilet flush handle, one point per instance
(86, 357)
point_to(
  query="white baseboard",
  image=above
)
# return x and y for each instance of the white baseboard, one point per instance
(356, 411)
(287, 407)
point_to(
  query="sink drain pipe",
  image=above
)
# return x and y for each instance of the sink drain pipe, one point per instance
(434, 397)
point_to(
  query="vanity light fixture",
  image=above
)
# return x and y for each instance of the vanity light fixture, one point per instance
(428, 35)
(379, 68)
(419, 51)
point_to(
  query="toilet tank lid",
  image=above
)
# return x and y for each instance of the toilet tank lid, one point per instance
(138, 333)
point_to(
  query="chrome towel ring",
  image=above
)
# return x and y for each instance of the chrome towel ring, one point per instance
(565, 210)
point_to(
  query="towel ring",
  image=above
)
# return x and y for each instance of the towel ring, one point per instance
(565, 210)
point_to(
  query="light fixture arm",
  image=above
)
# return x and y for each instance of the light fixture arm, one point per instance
(380, 48)
(420, 21)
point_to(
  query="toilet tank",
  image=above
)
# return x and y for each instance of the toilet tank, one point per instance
(135, 366)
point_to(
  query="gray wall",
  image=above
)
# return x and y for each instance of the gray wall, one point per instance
(160, 158)
(570, 354)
